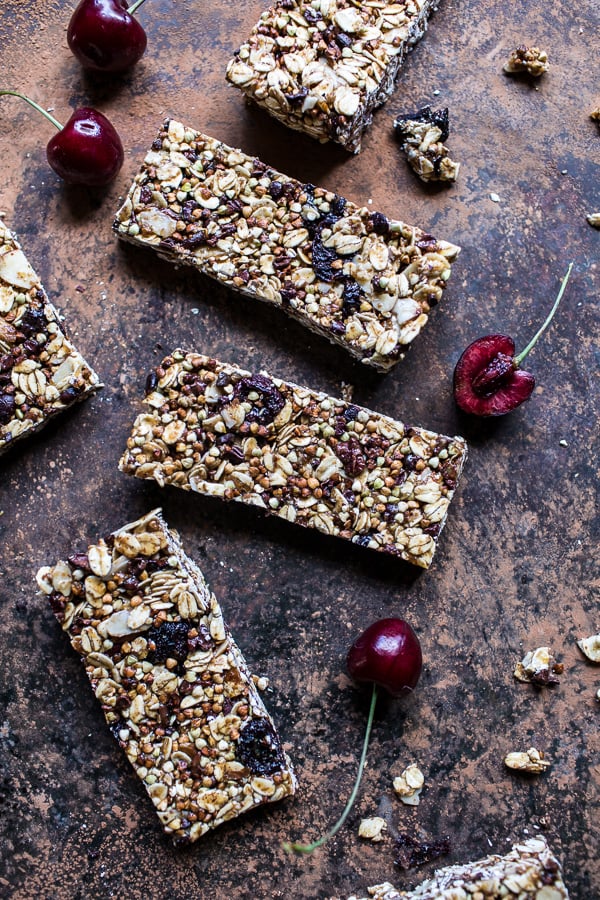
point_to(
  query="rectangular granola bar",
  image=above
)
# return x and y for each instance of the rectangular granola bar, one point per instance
(324, 66)
(216, 429)
(363, 281)
(529, 872)
(174, 687)
(41, 372)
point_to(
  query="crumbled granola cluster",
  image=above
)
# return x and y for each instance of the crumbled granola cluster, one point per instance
(421, 136)
(41, 372)
(538, 667)
(527, 61)
(323, 66)
(364, 281)
(173, 685)
(215, 429)
(532, 761)
(529, 872)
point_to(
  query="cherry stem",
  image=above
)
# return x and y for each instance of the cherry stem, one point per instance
(35, 105)
(519, 359)
(135, 6)
(308, 848)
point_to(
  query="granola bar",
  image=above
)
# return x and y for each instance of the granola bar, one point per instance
(216, 429)
(174, 687)
(529, 872)
(360, 279)
(324, 66)
(41, 372)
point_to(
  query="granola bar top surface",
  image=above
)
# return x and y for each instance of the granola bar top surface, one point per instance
(41, 372)
(299, 454)
(323, 66)
(529, 872)
(174, 687)
(362, 280)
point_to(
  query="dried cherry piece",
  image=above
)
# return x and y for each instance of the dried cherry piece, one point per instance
(170, 641)
(379, 223)
(411, 852)
(351, 297)
(200, 641)
(351, 455)
(259, 748)
(7, 408)
(271, 398)
(33, 322)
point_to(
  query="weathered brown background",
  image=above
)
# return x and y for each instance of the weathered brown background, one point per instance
(515, 568)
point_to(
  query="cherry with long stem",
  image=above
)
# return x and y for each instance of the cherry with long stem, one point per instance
(87, 150)
(308, 848)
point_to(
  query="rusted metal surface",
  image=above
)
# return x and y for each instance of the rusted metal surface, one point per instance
(515, 569)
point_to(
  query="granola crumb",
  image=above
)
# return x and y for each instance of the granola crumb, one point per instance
(421, 136)
(590, 647)
(372, 829)
(409, 784)
(527, 61)
(594, 219)
(595, 114)
(494, 198)
(533, 761)
(538, 667)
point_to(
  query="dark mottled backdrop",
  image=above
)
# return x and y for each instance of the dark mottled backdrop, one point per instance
(515, 568)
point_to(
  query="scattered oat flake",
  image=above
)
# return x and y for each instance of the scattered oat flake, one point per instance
(594, 219)
(532, 761)
(590, 646)
(372, 829)
(409, 784)
(495, 198)
(563, 443)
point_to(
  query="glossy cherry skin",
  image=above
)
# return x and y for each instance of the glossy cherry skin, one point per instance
(388, 654)
(105, 37)
(87, 150)
(487, 381)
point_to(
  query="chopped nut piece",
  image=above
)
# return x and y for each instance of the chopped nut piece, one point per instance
(594, 219)
(363, 281)
(409, 784)
(529, 872)
(324, 66)
(533, 761)
(177, 696)
(538, 667)
(591, 647)
(41, 372)
(298, 454)
(421, 137)
(372, 829)
(527, 60)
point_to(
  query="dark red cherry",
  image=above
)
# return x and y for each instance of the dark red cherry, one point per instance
(487, 377)
(105, 37)
(388, 654)
(87, 150)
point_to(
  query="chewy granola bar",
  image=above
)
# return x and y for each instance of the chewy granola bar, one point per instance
(174, 687)
(324, 66)
(529, 872)
(41, 372)
(327, 464)
(363, 281)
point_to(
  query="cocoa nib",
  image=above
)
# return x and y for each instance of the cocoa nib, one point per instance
(411, 852)
(259, 748)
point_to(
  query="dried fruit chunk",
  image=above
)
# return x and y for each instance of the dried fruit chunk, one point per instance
(538, 667)
(372, 829)
(421, 136)
(532, 761)
(174, 687)
(591, 647)
(527, 61)
(409, 784)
